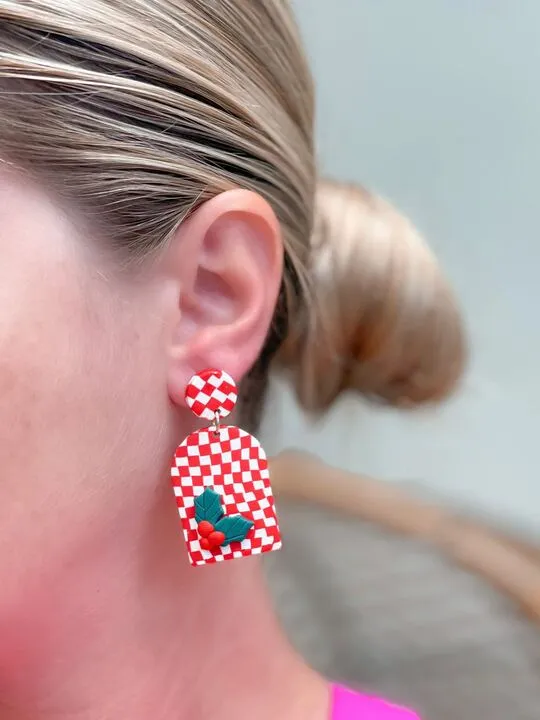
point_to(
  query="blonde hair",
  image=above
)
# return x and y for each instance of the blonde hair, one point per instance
(384, 320)
(136, 112)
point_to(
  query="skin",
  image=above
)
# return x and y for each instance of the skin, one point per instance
(101, 615)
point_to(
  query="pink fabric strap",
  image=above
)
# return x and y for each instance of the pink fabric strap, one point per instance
(347, 705)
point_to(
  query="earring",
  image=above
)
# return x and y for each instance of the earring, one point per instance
(221, 480)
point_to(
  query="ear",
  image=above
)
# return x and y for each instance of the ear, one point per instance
(227, 258)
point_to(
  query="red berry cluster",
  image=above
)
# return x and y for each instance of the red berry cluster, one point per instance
(210, 538)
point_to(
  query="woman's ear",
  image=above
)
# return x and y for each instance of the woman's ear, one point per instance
(227, 258)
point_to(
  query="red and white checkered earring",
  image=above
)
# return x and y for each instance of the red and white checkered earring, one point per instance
(221, 480)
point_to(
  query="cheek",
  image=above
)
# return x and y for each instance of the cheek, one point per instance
(41, 308)
(35, 353)
(44, 387)
(78, 406)
(83, 401)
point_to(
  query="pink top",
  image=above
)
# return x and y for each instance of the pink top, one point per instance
(347, 705)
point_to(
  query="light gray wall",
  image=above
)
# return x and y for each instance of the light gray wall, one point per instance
(436, 104)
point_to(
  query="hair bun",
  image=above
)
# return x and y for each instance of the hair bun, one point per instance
(381, 318)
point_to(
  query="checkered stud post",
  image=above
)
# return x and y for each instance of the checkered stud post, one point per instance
(210, 392)
(221, 481)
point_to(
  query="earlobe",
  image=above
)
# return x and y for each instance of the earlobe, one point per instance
(229, 294)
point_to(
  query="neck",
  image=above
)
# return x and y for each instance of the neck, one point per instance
(137, 633)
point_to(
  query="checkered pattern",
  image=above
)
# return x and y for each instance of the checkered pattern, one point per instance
(235, 466)
(210, 392)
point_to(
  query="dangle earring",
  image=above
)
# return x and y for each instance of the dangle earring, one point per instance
(221, 480)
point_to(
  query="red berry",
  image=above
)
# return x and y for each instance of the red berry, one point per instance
(205, 544)
(216, 538)
(205, 528)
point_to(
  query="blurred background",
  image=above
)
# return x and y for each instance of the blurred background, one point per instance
(436, 106)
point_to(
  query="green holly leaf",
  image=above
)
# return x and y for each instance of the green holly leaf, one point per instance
(208, 506)
(234, 527)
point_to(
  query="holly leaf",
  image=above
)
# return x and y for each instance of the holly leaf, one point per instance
(208, 506)
(234, 527)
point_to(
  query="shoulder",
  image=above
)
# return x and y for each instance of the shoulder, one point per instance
(348, 705)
